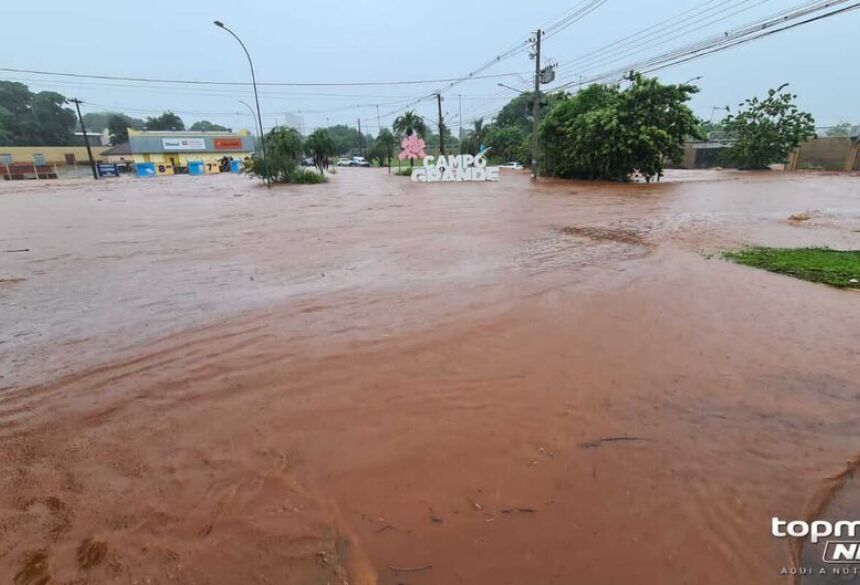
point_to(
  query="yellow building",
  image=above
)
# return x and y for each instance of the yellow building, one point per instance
(173, 152)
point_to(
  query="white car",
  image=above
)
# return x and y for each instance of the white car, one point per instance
(512, 165)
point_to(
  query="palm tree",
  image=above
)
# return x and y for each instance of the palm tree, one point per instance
(410, 123)
(320, 146)
(386, 143)
(475, 137)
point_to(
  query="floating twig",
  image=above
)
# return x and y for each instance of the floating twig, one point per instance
(410, 569)
(21, 250)
(599, 442)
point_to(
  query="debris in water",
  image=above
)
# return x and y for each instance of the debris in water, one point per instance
(410, 569)
(600, 442)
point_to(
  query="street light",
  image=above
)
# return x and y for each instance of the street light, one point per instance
(689, 81)
(253, 113)
(221, 25)
(512, 88)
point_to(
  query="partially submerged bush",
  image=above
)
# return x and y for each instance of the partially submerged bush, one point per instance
(281, 163)
(767, 130)
(610, 133)
(306, 177)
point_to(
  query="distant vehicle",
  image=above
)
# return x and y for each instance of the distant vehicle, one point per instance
(512, 165)
(359, 161)
(308, 162)
(344, 162)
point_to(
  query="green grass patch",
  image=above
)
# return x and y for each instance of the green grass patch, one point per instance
(834, 267)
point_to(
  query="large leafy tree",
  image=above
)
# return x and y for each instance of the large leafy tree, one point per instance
(767, 130)
(320, 146)
(519, 112)
(207, 126)
(166, 121)
(118, 125)
(508, 143)
(98, 121)
(28, 119)
(345, 138)
(55, 122)
(610, 133)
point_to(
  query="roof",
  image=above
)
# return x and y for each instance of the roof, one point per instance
(119, 149)
(187, 133)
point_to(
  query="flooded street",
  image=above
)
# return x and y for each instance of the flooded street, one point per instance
(371, 380)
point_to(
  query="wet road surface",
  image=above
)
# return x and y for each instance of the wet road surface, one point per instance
(205, 381)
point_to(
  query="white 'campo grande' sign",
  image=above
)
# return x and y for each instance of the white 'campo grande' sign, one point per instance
(455, 168)
(183, 143)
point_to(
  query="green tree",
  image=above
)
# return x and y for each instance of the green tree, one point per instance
(344, 137)
(99, 121)
(118, 125)
(28, 119)
(610, 133)
(767, 130)
(55, 123)
(842, 129)
(474, 138)
(166, 121)
(408, 123)
(207, 126)
(383, 148)
(519, 112)
(284, 148)
(508, 143)
(320, 146)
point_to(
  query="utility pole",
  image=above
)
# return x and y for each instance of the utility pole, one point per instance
(77, 103)
(360, 141)
(536, 108)
(460, 98)
(378, 120)
(441, 125)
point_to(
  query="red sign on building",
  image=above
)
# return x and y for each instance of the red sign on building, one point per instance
(228, 143)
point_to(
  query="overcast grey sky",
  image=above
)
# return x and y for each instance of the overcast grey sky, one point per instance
(382, 40)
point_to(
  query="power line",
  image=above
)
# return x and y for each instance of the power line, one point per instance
(245, 84)
(716, 44)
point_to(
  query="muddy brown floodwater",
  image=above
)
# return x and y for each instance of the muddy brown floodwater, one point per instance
(373, 381)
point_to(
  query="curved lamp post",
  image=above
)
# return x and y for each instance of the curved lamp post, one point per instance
(253, 113)
(220, 24)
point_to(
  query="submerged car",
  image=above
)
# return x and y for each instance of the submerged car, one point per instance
(512, 165)
(359, 161)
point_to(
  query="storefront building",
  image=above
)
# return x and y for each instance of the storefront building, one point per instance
(169, 153)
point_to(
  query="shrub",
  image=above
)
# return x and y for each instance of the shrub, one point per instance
(283, 149)
(767, 130)
(302, 176)
(609, 133)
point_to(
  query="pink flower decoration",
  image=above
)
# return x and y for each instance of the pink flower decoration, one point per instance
(412, 147)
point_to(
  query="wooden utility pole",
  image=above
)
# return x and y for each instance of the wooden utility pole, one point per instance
(441, 125)
(77, 103)
(378, 120)
(536, 108)
(360, 141)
